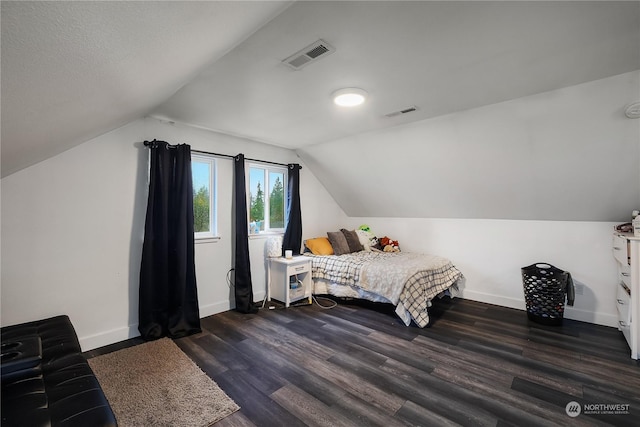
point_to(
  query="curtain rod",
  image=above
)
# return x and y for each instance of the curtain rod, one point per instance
(149, 143)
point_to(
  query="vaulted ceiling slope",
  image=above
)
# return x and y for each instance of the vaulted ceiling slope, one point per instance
(439, 56)
(74, 70)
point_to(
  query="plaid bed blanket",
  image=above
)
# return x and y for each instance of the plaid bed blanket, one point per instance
(343, 269)
(422, 287)
(408, 280)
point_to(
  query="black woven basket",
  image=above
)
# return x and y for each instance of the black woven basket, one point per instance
(545, 290)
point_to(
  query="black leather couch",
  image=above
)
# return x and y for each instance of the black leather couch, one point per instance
(46, 381)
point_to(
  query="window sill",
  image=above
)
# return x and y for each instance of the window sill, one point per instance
(266, 235)
(214, 239)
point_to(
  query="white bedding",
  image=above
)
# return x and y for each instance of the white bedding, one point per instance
(407, 280)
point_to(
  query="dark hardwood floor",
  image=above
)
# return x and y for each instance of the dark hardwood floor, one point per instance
(358, 365)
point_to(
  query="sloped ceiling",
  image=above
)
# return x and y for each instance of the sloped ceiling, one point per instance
(74, 70)
(564, 155)
(440, 56)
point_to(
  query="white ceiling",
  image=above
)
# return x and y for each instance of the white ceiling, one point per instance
(74, 70)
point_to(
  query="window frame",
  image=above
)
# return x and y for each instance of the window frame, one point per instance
(201, 236)
(268, 169)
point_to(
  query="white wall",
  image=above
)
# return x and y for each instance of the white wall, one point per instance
(569, 154)
(72, 225)
(490, 253)
(72, 230)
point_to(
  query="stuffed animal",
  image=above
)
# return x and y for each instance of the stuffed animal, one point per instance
(389, 245)
(367, 239)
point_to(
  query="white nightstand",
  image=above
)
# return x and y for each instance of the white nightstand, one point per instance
(290, 279)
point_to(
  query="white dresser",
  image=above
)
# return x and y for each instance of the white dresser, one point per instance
(626, 250)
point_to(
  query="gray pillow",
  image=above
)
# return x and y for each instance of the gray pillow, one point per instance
(352, 240)
(338, 242)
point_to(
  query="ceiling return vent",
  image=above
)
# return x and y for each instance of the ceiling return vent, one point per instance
(403, 111)
(309, 54)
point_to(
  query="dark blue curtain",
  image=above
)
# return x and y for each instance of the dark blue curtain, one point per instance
(168, 297)
(243, 288)
(293, 232)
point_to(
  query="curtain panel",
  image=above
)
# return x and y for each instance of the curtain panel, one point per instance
(243, 289)
(293, 232)
(168, 297)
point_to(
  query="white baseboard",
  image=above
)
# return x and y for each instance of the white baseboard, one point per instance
(215, 308)
(604, 319)
(125, 333)
(259, 295)
(493, 299)
(109, 337)
(121, 334)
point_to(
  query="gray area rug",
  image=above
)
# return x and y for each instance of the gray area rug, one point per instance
(156, 384)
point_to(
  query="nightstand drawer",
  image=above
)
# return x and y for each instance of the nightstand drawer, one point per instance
(299, 269)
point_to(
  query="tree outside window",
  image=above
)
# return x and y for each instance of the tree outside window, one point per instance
(204, 215)
(266, 213)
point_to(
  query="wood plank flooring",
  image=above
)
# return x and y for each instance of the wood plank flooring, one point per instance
(358, 365)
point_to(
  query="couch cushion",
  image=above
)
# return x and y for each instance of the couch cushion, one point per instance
(65, 392)
(56, 333)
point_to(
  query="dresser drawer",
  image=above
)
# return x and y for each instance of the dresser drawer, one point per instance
(621, 249)
(625, 274)
(623, 303)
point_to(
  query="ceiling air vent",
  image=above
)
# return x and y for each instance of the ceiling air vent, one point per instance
(309, 54)
(403, 111)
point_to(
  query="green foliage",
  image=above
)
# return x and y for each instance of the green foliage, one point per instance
(276, 205)
(256, 211)
(201, 210)
(257, 203)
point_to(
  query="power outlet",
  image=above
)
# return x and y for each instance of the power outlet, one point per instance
(579, 288)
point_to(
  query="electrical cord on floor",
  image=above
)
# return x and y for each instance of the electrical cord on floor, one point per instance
(324, 307)
(315, 299)
(302, 304)
(264, 301)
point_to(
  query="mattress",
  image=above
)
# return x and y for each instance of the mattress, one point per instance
(407, 280)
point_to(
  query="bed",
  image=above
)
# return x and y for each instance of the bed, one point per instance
(407, 280)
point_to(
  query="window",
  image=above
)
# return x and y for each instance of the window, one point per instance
(267, 189)
(203, 170)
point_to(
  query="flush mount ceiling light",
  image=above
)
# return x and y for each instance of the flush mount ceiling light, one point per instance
(633, 110)
(349, 97)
